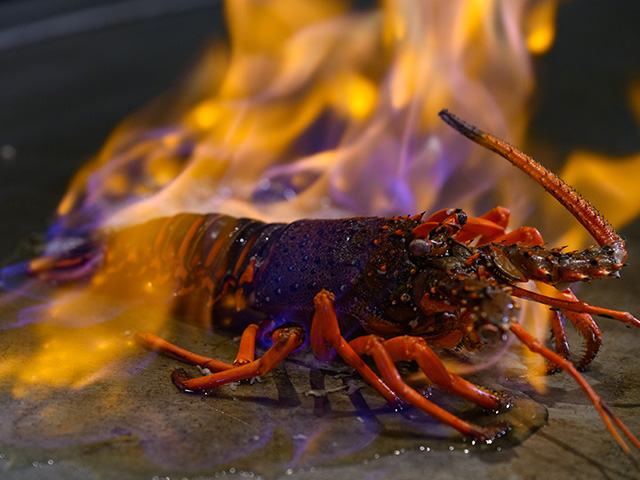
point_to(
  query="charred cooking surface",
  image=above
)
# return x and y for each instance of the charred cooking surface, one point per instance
(147, 428)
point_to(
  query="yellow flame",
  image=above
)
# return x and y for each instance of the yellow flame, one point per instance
(383, 74)
(72, 357)
(380, 75)
(355, 95)
(541, 27)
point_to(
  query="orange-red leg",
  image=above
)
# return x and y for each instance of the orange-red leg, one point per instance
(576, 306)
(408, 348)
(609, 418)
(557, 321)
(325, 329)
(153, 342)
(382, 356)
(479, 227)
(451, 217)
(590, 331)
(583, 322)
(522, 236)
(247, 348)
(488, 226)
(285, 339)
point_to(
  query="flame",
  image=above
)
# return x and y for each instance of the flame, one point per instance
(306, 104)
(541, 27)
(311, 110)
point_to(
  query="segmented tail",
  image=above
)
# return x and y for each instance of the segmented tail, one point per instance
(69, 261)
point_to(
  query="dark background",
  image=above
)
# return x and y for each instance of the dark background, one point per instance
(583, 81)
(70, 71)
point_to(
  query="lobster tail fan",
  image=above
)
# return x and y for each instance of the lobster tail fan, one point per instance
(69, 260)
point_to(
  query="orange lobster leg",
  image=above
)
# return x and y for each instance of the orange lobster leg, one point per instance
(247, 348)
(286, 340)
(478, 226)
(408, 348)
(489, 226)
(557, 320)
(325, 329)
(498, 215)
(609, 418)
(576, 306)
(451, 217)
(590, 331)
(155, 343)
(583, 322)
(376, 347)
(440, 216)
(522, 236)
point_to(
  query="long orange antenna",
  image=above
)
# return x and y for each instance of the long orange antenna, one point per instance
(585, 213)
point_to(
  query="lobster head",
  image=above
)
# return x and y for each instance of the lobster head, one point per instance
(457, 287)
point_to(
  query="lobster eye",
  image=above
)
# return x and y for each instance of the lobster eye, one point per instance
(488, 332)
(461, 217)
(420, 247)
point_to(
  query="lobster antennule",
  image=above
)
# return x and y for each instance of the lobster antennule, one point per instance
(585, 213)
(576, 306)
(610, 420)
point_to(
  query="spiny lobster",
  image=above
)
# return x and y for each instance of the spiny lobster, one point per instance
(394, 286)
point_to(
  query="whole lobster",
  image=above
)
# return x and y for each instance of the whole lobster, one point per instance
(393, 286)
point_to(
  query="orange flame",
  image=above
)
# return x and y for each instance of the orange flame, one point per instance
(313, 110)
(368, 84)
